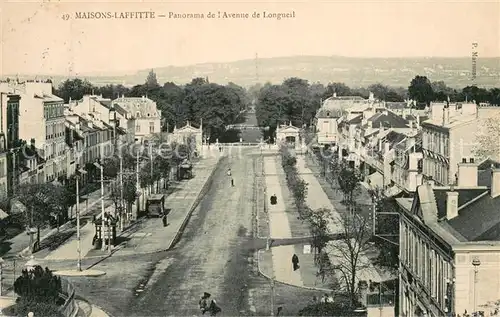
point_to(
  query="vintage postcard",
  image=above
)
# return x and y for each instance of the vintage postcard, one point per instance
(250, 158)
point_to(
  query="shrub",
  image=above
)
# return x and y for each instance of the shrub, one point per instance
(25, 305)
(39, 286)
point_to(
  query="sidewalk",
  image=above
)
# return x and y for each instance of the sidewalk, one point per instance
(316, 197)
(279, 226)
(86, 309)
(371, 272)
(147, 235)
(20, 243)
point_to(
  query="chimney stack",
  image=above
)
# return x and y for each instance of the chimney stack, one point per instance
(451, 204)
(467, 173)
(495, 182)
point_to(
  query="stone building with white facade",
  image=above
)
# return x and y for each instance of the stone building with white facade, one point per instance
(144, 111)
(449, 245)
(41, 123)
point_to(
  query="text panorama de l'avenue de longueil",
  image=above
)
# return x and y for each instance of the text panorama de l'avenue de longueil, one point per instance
(103, 15)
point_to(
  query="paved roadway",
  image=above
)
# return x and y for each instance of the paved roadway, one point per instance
(213, 253)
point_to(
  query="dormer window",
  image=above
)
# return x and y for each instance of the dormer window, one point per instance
(137, 114)
(148, 114)
(328, 113)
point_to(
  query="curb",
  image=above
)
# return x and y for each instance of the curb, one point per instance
(92, 306)
(195, 204)
(51, 232)
(286, 283)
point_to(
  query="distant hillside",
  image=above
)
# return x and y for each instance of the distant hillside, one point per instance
(355, 72)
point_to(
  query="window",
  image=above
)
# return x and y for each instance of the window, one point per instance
(151, 127)
(138, 128)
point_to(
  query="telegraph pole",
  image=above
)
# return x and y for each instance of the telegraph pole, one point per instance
(103, 218)
(78, 245)
(137, 185)
(151, 165)
(121, 193)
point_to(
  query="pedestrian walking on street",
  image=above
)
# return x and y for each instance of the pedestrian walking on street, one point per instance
(232, 182)
(203, 302)
(295, 262)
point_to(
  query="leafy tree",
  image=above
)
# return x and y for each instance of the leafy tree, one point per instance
(74, 89)
(348, 180)
(488, 139)
(473, 93)
(271, 107)
(40, 205)
(443, 92)
(129, 188)
(113, 91)
(151, 81)
(340, 89)
(379, 91)
(420, 89)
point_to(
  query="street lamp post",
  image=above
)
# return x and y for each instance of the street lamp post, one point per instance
(272, 295)
(1, 273)
(476, 263)
(78, 245)
(103, 217)
(78, 239)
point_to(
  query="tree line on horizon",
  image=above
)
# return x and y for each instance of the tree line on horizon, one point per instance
(218, 105)
(296, 100)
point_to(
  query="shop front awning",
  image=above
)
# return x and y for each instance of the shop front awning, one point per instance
(375, 180)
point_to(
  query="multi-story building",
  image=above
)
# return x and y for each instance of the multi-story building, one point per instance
(41, 118)
(448, 136)
(326, 126)
(146, 114)
(449, 245)
(31, 164)
(3, 168)
(89, 139)
(9, 127)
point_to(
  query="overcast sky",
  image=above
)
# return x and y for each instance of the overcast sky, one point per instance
(37, 40)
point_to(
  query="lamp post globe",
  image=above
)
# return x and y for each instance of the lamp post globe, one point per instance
(476, 262)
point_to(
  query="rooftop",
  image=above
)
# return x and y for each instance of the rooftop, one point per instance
(478, 212)
(387, 119)
(138, 107)
(454, 121)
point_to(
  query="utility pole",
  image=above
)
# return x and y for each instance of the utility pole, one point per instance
(122, 209)
(381, 308)
(272, 295)
(137, 185)
(103, 218)
(151, 165)
(78, 245)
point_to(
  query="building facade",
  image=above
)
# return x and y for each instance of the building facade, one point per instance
(9, 127)
(449, 136)
(449, 249)
(144, 111)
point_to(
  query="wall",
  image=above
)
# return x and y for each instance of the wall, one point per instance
(327, 130)
(488, 279)
(31, 122)
(3, 174)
